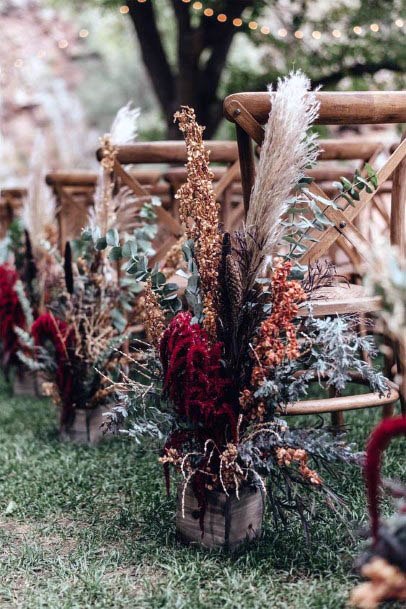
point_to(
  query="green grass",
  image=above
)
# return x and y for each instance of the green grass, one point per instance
(92, 528)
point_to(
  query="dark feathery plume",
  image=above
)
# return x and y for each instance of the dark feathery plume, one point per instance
(30, 268)
(68, 268)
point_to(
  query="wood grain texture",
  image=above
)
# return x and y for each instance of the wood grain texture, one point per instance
(85, 428)
(228, 521)
(339, 300)
(25, 384)
(342, 404)
(336, 108)
(398, 207)
(172, 151)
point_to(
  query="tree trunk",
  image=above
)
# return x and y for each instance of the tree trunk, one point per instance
(196, 83)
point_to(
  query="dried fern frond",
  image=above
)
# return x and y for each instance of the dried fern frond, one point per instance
(286, 152)
(127, 207)
(38, 213)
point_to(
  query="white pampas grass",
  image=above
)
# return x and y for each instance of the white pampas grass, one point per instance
(286, 152)
(124, 129)
(38, 213)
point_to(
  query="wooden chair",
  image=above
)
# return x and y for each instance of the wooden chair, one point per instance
(171, 153)
(249, 112)
(74, 192)
(11, 202)
(340, 158)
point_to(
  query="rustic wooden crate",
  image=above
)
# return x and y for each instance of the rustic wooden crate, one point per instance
(228, 521)
(85, 428)
(25, 384)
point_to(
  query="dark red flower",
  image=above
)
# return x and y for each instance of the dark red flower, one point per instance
(377, 443)
(11, 313)
(194, 377)
(47, 328)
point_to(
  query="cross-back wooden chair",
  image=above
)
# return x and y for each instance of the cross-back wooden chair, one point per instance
(74, 192)
(171, 153)
(249, 112)
(348, 155)
(11, 202)
(340, 157)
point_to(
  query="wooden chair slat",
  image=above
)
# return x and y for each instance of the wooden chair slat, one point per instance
(337, 108)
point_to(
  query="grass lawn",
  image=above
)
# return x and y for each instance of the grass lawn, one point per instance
(92, 528)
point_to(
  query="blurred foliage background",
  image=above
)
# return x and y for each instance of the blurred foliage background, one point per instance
(92, 56)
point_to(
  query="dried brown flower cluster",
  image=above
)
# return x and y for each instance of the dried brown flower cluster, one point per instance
(109, 152)
(231, 474)
(154, 316)
(199, 211)
(174, 259)
(103, 206)
(287, 456)
(277, 340)
(387, 582)
(271, 350)
(93, 332)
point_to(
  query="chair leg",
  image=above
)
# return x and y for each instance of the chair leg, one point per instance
(401, 362)
(337, 418)
(337, 421)
(388, 370)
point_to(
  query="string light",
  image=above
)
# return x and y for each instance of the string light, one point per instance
(83, 34)
(222, 17)
(336, 33)
(63, 44)
(18, 63)
(316, 34)
(265, 30)
(374, 27)
(298, 34)
(357, 30)
(208, 12)
(124, 9)
(282, 33)
(399, 22)
(197, 6)
(237, 22)
(253, 25)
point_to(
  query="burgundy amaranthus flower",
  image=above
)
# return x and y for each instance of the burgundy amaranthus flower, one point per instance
(49, 328)
(194, 378)
(11, 313)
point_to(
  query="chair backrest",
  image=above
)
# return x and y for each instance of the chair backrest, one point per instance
(172, 153)
(11, 203)
(74, 193)
(250, 111)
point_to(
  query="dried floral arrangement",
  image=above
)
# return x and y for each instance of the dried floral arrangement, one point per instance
(224, 366)
(383, 564)
(30, 267)
(75, 340)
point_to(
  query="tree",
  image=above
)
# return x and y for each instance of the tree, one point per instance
(193, 81)
(188, 56)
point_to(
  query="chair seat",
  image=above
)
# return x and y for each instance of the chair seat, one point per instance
(340, 299)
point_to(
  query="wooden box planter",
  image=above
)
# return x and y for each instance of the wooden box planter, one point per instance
(26, 383)
(228, 521)
(85, 427)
